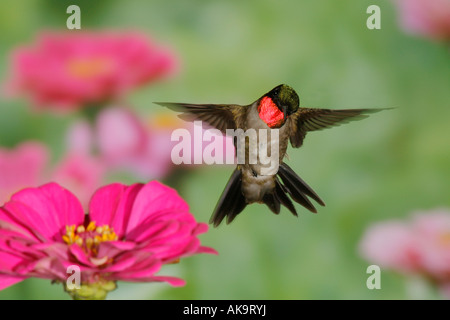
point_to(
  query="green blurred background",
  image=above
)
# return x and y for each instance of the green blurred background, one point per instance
(384, 167)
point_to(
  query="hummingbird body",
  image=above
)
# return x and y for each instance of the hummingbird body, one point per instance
(278, 115)
(255, 183)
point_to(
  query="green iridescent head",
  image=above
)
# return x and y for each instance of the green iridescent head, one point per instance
(285, 98)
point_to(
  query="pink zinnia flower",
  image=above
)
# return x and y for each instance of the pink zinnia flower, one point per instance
(128, 234)
(74, 69)
(419, 246)
(21, 167)
(429, 18)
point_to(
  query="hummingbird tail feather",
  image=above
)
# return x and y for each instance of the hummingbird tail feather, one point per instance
(281, 193)
(297, 188)
(279, 197)
(273, 202)
(231, 202)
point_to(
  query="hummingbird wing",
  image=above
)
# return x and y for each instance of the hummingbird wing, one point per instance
(220, 116)
(312, 119)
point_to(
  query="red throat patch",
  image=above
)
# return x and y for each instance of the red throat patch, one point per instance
(270, 114)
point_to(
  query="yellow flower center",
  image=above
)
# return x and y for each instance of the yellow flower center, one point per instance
(89, 68)
(444, 239)
(165, 121)
(89, 238)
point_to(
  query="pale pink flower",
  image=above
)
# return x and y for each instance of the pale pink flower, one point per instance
(434, 231)
(80, 173)
(391, 245)
(123, 142)
(79, 137)
(419, 246)
(429, 18)
(27, 165)
(144, 148)
(68, 70)
(21, 167)
(128, 234)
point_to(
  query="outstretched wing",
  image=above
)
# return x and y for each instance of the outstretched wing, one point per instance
(220, 116)
(312, 119)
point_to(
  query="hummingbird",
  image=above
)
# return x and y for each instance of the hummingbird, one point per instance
(279, 109)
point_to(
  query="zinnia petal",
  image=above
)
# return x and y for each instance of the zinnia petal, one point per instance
(155, 198)
(112, 205)
(46, 210)
(7, 281)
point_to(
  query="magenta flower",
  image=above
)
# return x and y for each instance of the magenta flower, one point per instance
(21, 167)
(420, 246)
(429, 18)
(74, 69)
(128, 234)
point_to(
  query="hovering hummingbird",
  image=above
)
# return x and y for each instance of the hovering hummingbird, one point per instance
(277, 109)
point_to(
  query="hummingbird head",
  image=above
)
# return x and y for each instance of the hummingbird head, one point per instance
(277, 105)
